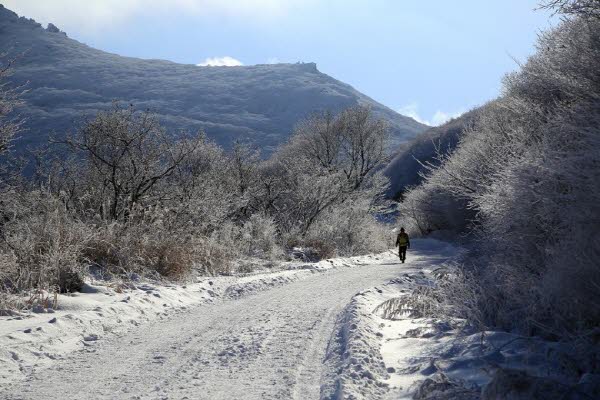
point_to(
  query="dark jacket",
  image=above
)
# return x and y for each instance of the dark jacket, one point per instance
(403, 240)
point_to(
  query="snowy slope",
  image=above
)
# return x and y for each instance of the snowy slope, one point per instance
(405, 165)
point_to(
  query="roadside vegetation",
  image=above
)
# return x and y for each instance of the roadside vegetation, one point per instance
(121, 196)
(522, 188)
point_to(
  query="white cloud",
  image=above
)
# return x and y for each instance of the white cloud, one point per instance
(411, 110)
(441, 117)
(438, 118)
(273, 60)
(95, 16)
(220, 62)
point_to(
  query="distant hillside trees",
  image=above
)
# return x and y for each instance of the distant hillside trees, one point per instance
(9, 99)
(67, 80)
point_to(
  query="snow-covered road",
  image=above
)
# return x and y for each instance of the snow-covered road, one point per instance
(268, 345)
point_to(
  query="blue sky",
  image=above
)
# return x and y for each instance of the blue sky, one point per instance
(429, 59)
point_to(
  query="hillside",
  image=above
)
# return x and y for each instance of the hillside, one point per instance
(406, 162)
(67, 81)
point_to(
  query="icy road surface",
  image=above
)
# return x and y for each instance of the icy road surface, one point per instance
(268, 345)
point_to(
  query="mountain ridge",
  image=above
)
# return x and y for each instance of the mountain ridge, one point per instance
(67, 81)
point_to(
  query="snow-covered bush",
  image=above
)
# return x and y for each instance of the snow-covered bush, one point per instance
(203, 191)
(350, 230)
(259, 238)
(429, 207)
(122, 198)
(330, 168)
(42, 244)
(145, 249)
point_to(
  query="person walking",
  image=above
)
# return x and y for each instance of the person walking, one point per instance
(403, 243)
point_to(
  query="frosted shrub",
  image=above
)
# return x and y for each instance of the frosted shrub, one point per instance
(124, 249)
(218, 250)
(560, 185)
(204, 190)
(429, 208)
(350, 230)
(43, 245)
(525, 180)
(259, 237)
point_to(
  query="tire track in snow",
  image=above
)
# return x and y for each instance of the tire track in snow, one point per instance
(268, 345)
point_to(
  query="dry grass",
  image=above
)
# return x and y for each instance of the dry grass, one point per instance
(42, 247)
(123, 249)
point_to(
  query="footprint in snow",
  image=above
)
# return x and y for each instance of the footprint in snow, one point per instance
(159, 359)
(90, 338)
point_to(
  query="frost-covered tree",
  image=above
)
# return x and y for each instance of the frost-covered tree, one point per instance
(524, 182)
(330, 162)
(10, 124)
(125, 156)
(352, 143)
(584, 8)
(202, 192)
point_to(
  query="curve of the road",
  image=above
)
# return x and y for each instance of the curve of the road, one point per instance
(268, 345)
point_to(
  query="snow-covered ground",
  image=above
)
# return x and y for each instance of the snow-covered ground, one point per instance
(225, 337)
(363, 362)
(404, 358)
(306, 332)
(33, 340)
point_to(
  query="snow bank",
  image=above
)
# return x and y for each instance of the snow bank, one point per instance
(372, 357)
(356, 366)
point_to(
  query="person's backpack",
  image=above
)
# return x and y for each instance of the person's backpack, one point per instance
(403, 240)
